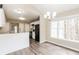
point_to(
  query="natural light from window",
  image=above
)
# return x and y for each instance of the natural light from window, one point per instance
(66, 28)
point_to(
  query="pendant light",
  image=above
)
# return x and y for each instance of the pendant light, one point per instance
(2, 16)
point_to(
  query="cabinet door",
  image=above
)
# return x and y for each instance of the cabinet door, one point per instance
(14, 27)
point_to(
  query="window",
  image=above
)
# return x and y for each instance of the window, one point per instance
(65, 28)
(61, 29)
(57, 29)
(54, 29)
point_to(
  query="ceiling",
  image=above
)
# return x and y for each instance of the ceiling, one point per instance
(43, 8)
(15, 11)
(32, 11)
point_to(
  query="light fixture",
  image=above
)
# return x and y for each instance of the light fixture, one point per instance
(47, 15)
(2, 17)
(21, 18)
(50, 15)
(19, 10)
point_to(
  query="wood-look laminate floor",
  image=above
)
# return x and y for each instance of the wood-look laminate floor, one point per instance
(45, 48)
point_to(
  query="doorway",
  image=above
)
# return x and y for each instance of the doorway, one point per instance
(37, 34)
(34, 32)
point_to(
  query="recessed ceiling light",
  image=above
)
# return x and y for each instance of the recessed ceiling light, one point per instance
(21, 18)
(19, 11)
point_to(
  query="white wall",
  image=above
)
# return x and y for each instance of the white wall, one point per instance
(43, 29)
(12, 42)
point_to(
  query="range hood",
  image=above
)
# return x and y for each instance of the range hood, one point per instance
(2, 16)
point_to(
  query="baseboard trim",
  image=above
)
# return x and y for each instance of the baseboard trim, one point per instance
(69, 48)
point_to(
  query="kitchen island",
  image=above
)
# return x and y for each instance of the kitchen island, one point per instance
(13, 41)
